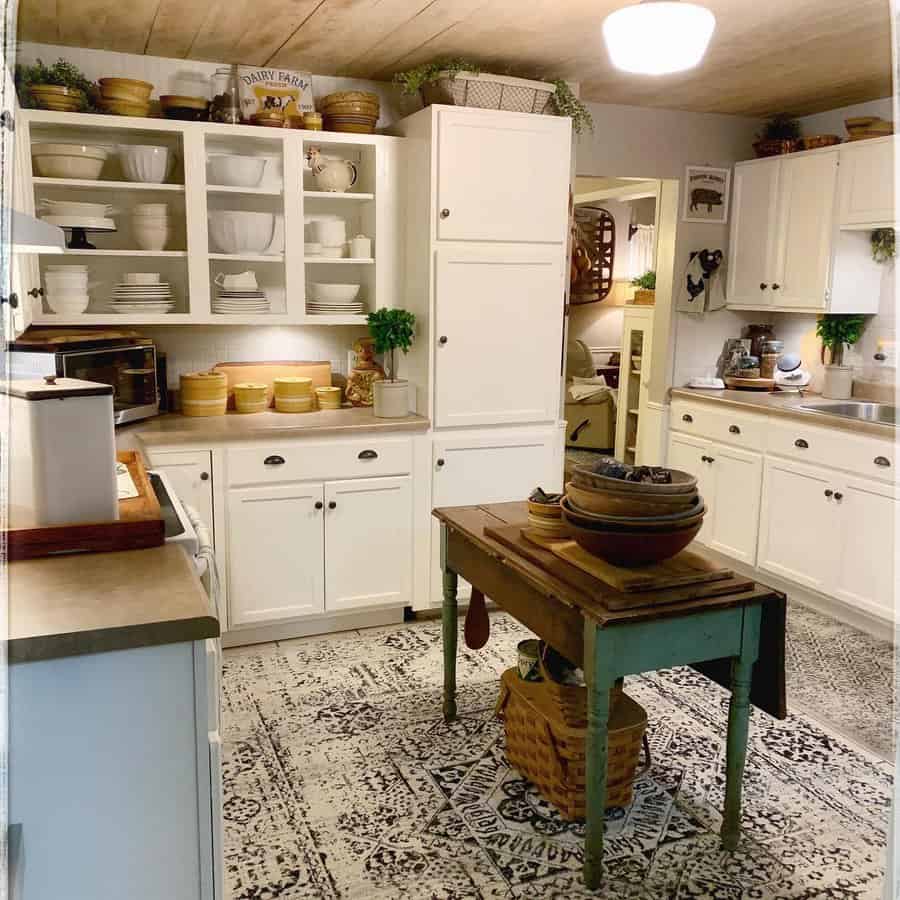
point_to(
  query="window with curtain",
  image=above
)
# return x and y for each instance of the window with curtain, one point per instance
(642, 251)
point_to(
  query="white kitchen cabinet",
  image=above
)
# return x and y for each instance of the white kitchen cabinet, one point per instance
(275, 553)
(501, 176)
(499, 331)
(798, 526)
(191, 475)
(752, 249)
(688, 454)
(866, 184)
(25, 278)
(368, 543)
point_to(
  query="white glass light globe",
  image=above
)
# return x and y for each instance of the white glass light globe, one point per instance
(657, 37)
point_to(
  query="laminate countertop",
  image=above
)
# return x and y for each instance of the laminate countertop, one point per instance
(175, 428)
(81, 603)
(786, 405)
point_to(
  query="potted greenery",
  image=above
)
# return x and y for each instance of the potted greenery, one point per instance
(781, 134)
(62, 86)
(883, 245)
(459, 82)
(391, 330)
(645, 295)
(836, 331)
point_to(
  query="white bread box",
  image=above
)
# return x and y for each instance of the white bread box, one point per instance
(62, 459)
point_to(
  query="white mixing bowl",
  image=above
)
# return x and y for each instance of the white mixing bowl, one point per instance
(236, 171)
(238, 231)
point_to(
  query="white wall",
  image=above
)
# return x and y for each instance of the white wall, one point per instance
(832, 121)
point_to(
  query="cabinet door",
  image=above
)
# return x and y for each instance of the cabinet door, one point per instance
(368, 543)
(275, 553)
(191, 476)
(499, 323)
(502, 176)
(866, 558)
(690, 454)
(751, 250)
(24, 273)
(805, 230)
(866, 183)
(798, 527)
(733, 519)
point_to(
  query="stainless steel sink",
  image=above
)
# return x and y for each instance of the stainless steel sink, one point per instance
(864, 412)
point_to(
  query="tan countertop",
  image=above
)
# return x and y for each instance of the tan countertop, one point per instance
(786, 404)
(97, 602)
(177, 429)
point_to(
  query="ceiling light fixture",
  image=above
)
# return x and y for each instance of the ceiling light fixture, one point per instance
(658, 37)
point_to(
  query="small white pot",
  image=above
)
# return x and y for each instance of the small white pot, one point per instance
(838, 382)
(391, 399)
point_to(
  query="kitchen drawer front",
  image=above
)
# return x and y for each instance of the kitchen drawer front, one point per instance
(729, 426)
(311, 460)
(866, 456)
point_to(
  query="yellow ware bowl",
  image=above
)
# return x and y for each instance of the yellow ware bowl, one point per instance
(294, 404)
(125, 108)
(250, 397)
(204, 394)
(293, 386)
(128, 89)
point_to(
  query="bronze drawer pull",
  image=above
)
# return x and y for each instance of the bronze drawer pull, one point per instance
(882, 461)
(838, 495)
(367, 454)
(273, 461)
(204, 476)
(332, 504)
(440, 463)
(445, 213)
(734, 429)
(803, 445)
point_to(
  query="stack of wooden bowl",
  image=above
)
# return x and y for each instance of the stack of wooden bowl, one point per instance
(632, 523)
(350, 111)
(861, 128)
(125, 96)
(545, 516)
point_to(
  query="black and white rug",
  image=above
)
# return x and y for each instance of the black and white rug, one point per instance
(342, 781)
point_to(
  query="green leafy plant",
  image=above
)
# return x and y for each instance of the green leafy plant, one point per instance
(391, 330)
(647, 281)
(781, 127)
(837, 331)
(62, 73)
(883, 245)
(565, 103)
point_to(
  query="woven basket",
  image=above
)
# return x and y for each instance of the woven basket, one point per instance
(489, 92)
(775, 147)
(545, 741)
(817, 141)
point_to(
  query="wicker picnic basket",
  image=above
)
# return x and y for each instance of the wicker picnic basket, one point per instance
(545, 741)
(489, 92)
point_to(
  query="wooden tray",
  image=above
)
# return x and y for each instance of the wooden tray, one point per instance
(750, 384)
(511, 536)
(140, 525)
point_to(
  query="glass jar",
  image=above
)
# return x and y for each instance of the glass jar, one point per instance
(771, 353)
(225, 88)
(758, 335)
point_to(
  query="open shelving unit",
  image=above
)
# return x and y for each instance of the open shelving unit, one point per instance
(191, 260)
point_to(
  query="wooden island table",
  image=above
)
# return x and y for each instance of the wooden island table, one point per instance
(735, 636)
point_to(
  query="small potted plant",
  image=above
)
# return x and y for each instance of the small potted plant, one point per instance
(836, 332)
(781, 134)
(645, 295)
(62, 86)
(884, 246)
(391, 330)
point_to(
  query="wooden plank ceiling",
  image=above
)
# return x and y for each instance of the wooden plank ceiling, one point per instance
(797, 56)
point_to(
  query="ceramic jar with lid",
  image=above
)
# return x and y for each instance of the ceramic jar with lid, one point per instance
(250, 397)
(758, 335)
(771, 353)
(293, 394)
(204, 394)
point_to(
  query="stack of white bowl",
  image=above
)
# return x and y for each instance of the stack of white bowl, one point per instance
(66, 289)
(150, 224)
(326, 236)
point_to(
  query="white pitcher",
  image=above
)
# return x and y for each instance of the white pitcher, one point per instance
(331, 173)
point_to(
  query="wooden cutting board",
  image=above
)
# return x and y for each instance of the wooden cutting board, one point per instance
(511, 536)
(266, 373)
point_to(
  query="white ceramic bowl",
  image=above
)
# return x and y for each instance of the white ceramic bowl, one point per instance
(144, 162)
(332, 252)
(71, 304)
(141, 278)
(330, 232)
(61, 286)
(238, 231)
(344, 292)
(150, 237)
(151, 209)
(68, 160)
(313, 248)
(66, 268)
(78, 210)
(236, 171)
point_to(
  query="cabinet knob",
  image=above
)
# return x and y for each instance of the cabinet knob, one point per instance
(12, 300)
(734, 429)
(36, 292)
(204, 476)
(440, 463)
(332, 504)
(838, 495)
(762, 286)
(829, 493)
(445, 213)
(687, 417)
(273, 461)
(442, 339)
(882, 461)
(707, 459)
(776, 287)
(367, 454)
(801, 444)
(319, 504)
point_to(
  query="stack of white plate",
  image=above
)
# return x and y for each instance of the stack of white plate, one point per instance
(334, 300)
(240, 303)
(316, 308)
(142, 292)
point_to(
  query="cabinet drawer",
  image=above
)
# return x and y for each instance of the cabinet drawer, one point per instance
(730, 426)
(691, 418)
(866, 456)
(309, 460)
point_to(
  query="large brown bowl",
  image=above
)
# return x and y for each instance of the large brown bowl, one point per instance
(682, 483)
(625, 503)
(629, 549)
(637, 524)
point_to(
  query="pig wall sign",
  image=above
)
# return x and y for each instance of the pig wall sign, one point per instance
(706, 192)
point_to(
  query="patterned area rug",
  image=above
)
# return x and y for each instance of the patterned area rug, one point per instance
(342, 781)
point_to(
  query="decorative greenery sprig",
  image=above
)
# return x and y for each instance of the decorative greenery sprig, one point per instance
(647, 281)
(781, 127)
(392, 330)
(567, 104)
(883, 245)
(62, 73)
(836, 331)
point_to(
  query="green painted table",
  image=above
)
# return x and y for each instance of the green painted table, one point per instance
(720, 636)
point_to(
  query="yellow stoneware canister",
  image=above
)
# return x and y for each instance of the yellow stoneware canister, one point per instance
(329, 397)
(250, 397)
(204, 394)
(293, 394)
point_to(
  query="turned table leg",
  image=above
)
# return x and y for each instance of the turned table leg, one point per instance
(450, 631)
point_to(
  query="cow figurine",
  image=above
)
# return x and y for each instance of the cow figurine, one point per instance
(705, 197)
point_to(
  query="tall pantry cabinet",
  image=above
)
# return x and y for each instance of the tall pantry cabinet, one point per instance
(487, 228)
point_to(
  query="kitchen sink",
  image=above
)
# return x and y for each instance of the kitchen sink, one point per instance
(864, 412)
